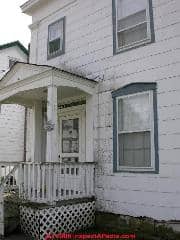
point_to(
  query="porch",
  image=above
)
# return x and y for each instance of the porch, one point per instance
(58, 160)
(53, 182)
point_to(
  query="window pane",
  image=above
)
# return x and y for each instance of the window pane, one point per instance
(133, 35)
(134, 113)
(56, 30)
(70, 136)
(126, 8)
(135, 149)
(54, 45)
(131, 21)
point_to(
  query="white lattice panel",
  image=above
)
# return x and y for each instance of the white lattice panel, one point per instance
(29, 221)
(67, 219)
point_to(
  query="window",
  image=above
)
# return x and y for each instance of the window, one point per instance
(56, 38)
(12, 61)
(135, 128)
(133, 23)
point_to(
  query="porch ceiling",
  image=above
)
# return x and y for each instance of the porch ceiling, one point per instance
(27, 98)
(25, 83)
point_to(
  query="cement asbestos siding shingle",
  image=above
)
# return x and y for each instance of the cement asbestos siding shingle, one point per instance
(89, 49)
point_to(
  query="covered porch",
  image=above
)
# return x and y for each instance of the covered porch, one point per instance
(58, 160)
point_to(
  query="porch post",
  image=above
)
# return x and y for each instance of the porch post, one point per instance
(89, 128)
(52, 121)
(37, 132)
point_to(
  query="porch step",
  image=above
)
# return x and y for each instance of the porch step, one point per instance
(38, 220)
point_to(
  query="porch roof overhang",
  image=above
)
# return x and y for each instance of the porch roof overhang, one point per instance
(25, 77)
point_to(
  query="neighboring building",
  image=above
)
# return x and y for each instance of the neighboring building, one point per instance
(11, 116)
(103, 86)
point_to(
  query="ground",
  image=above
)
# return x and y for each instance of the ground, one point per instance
(17, 236)
(139, 236)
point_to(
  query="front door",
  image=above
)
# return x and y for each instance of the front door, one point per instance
(71, 134)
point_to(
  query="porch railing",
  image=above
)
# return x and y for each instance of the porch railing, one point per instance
(50, 182)
(9, 174)
(8, 181)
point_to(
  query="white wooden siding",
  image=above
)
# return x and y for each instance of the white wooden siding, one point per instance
(11, 116)
(89, 49)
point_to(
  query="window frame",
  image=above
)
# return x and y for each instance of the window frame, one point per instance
(128, 91)
(59, 52)
(150, 29)
(13, 59)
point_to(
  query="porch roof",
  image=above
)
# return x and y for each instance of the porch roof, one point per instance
(24, 77)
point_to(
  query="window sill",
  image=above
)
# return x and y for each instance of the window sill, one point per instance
(133, 46)
(144, 170)
(57, 54)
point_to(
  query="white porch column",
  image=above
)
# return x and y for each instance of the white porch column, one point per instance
(89, 128)
(52, 120)
(37, 132)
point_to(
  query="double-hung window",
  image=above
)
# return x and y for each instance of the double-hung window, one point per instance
(56, 38)
(135, 128)
(133, 23)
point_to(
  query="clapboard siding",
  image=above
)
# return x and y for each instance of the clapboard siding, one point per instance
(11, 133)
(11, 116)
(89, 50)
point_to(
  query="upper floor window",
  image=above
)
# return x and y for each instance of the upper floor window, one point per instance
(133, 23)
(56, 38)
(135, 128)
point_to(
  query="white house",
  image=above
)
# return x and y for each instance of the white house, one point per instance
(11, 116)
(101, 86)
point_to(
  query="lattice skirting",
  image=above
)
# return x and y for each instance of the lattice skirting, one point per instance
(64, 219)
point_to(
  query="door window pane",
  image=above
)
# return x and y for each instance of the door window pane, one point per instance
(70, 136)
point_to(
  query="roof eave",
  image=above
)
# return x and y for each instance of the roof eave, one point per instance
(28, 6)
(15, 44)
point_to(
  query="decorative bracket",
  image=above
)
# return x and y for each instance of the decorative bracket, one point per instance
(49, 126)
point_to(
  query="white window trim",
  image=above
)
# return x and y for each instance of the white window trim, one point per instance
(138, 169)
(138, 43)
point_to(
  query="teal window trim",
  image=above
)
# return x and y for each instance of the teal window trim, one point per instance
(149, 40)
(60, 51)
(135, 88)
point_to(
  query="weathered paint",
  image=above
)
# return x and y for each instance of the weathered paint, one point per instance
(89, 50)
(11, 116)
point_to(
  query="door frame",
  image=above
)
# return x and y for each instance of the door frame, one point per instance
(73, 113)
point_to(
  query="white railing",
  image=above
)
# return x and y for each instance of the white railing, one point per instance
(8, 181)
(51, 182)
(8, 174)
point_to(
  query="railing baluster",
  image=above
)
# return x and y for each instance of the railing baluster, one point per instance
(38, 182)
(43, 185)
(33, 181)
(29, 182)
(49, 190)
(48, 182)
(54, 175)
